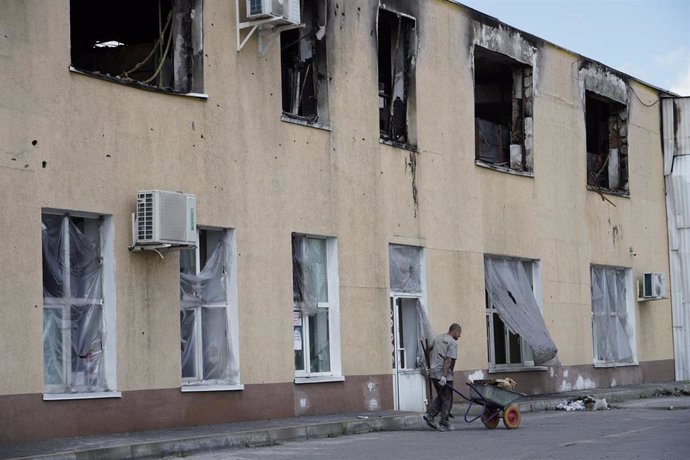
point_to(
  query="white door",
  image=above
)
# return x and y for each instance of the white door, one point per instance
(409, 385)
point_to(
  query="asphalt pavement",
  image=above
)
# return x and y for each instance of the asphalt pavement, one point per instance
(182, 441)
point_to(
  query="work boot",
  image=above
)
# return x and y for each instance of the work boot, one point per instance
(430, 421)
(445, 426)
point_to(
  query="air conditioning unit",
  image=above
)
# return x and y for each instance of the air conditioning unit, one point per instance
(287, 10)
(653, 286)
(165, 218)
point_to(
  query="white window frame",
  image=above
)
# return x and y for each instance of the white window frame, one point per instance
(333, 306)
(108, 316)
(631, 320)
(395, 295)
(525, 351)
(197, 383)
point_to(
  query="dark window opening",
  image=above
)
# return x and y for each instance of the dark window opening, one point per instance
(151, 43)
(397, 47)
(297, 273)
(607, 143)
(304, 71)
(502, 110)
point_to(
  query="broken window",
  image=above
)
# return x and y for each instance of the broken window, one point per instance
(315, 310)
(612, 316)
(304, 70)
(154, 43)
(516, 332)
(397, 43)
(206, 312)
(607, 143)
(410, 325)
(75, 342)
(502, 110)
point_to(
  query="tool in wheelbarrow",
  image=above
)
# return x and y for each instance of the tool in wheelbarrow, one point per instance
(497, 403)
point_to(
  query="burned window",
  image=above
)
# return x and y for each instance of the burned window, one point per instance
(502, 110)
(397, 48)
(607, 143)
(303, 66)
(151, 43)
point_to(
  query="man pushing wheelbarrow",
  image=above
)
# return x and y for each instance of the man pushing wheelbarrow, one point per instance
(496, 397)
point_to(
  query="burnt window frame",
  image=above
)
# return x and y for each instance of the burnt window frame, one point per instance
(515, 117)
(97, 23)
(313, 35)
(400, 133)
(606, 130)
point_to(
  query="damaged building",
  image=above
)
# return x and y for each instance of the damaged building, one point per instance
(206, 202)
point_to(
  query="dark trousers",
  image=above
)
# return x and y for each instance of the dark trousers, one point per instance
(443, 401)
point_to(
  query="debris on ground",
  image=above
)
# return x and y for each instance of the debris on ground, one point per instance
(578, 404)
(586, 403)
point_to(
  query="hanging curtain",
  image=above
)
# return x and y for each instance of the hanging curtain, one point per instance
(510, 292)
(203, 297)
(310, 281)
(404, 268)
(610, 315)
(73, 299)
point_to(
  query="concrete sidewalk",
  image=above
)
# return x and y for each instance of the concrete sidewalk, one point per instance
(178, 441)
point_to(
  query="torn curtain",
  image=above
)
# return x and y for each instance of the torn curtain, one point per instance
(510, 292)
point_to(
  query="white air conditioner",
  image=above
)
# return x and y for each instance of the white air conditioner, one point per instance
(165, 218)
(653, 286)
(287, 10)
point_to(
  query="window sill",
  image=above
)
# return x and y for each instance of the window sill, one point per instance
(500, 370)
(299, 121)
(607, 365)
(621, 193)
(136, 84)
(71, 396)
(319, 379)
(399, 145)
(504, 169)
(202, 388)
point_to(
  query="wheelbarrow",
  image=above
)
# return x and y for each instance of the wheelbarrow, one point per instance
(497, 403)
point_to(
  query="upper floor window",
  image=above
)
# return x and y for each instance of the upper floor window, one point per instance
(78, 306)
(397, 43)
(607, 143)
(502, 110)
(304, 69)
(150, 43)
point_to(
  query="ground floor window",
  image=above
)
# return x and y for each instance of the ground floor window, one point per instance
(78, 315)
(315, 306)
(516, 332)
(613, 319)
(208, 310)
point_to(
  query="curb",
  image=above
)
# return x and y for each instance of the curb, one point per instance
(242, 439)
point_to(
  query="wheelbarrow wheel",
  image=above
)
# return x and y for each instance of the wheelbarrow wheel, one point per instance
(511, 417)
(490, 418)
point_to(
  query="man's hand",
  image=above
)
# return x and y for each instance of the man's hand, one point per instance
(442, 381)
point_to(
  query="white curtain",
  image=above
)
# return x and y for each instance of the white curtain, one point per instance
(510, 292)
(310, 280)
(404, 268)
(610, 315)
(203, 297)
(72, 298)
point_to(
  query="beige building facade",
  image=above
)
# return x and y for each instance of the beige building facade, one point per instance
(380, 142)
